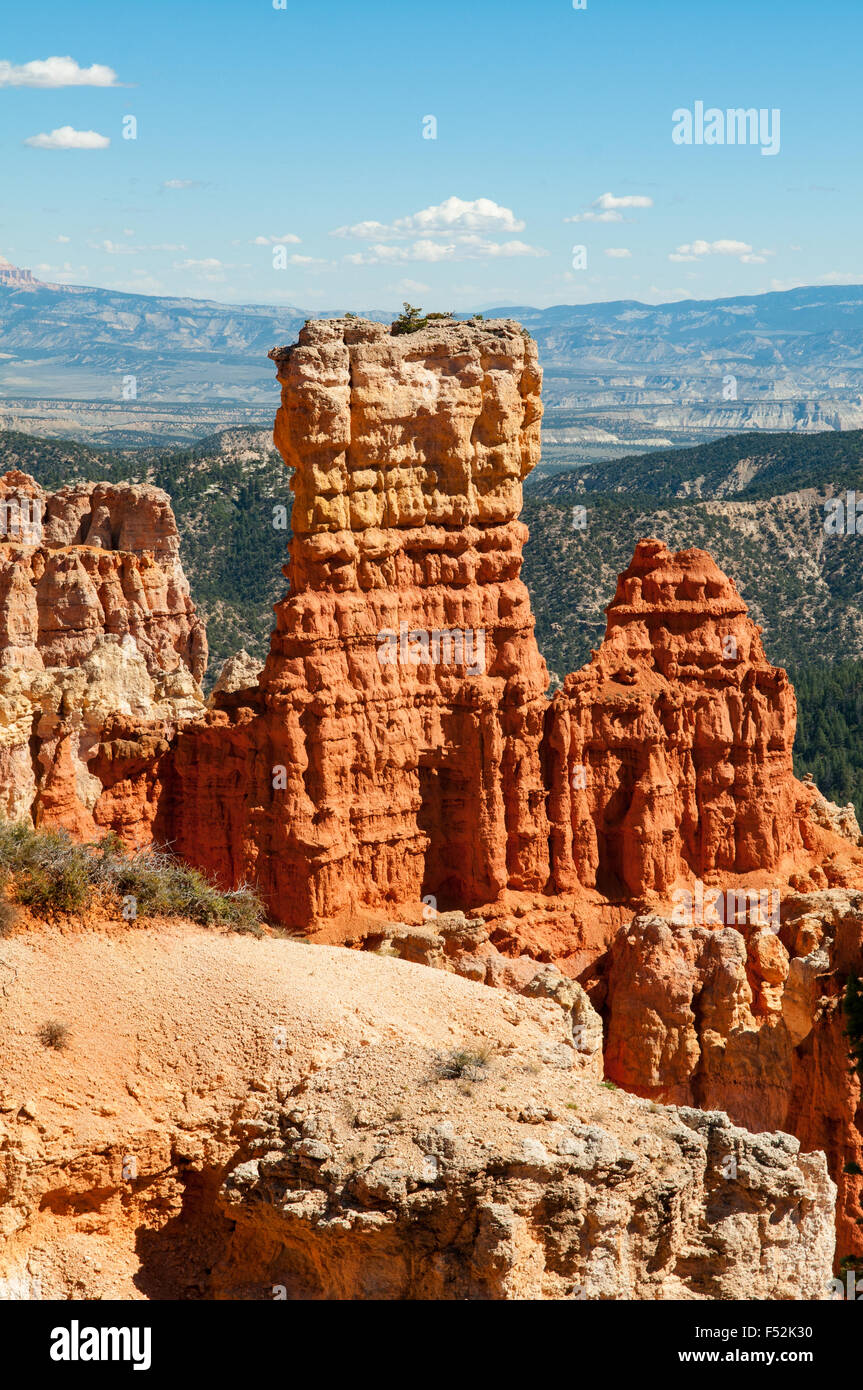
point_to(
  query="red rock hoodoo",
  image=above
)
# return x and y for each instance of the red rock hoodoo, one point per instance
(399, 745)
(670, 754)
(391, 751)
(369, 769)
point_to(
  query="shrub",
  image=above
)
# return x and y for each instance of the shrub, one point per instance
(53, 874)
(410, 320)
(163, 885)
(462, 1064)
(54, 1034)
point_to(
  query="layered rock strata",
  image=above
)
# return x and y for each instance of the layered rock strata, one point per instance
(397, 755)
(101, 652)
(670, 754)
(749, 1020)
(391, 750)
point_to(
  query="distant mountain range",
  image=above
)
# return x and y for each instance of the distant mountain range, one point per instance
(618, 376)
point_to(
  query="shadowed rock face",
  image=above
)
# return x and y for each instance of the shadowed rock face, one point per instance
(749, 1021)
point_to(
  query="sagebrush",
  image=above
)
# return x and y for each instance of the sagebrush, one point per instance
(50, 873)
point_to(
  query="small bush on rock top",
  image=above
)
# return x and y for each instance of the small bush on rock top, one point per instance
(52, 874)
(54, 1034)
(412, 319)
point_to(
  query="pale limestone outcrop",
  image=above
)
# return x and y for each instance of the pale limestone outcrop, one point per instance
(239, 672)
(842, 820)
(101, 652)
(276, 1120)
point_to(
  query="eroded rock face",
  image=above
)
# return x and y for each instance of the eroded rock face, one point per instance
(671, 751)
(749, 1021)
(393, 749)
(240, 672)
(96, 628)
(105, 560)
(305, 1122)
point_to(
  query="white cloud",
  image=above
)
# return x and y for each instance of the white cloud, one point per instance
(287, 240)
(619, 253)
(113, 248)
(207, 268)
(453, 217)
(463, 248)
(61, 275)
(119, 248)
(413, 286)
(667, 295)
(306, 260)
(56, 72)
(140, 282)
(63, 239)
(606, 208)
(607, 201)
(454, 230)
(595, 217)
(67, 138)
(182, 183)
(694, 250)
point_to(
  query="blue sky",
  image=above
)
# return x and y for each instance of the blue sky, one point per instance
(256, 123)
